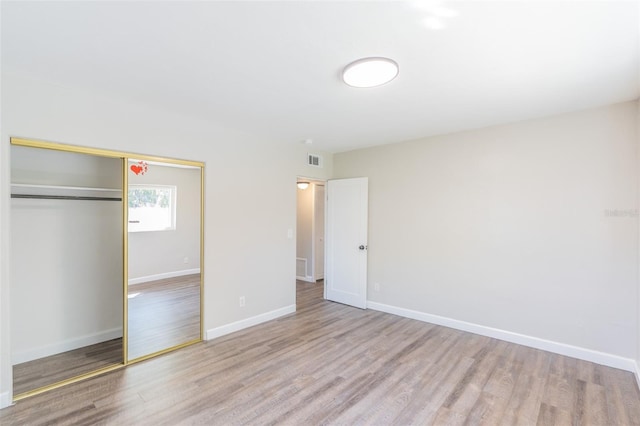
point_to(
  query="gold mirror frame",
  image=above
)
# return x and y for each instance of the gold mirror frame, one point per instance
(124, 157)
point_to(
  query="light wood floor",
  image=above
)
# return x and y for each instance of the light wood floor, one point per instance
(333, 364)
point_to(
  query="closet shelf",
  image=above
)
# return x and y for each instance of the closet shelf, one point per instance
(64, 187)
(63, 192)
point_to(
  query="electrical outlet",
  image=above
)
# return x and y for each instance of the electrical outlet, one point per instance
(376, 286)
(242, 301)
(186, 260)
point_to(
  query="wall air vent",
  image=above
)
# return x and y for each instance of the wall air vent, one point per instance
(314, 160)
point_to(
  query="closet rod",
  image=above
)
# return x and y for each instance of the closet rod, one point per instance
(64, 197)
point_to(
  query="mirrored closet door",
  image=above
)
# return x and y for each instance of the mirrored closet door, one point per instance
(164, 227)
(66, 265)
(106, 252)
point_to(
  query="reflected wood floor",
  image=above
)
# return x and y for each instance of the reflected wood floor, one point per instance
(164, 313)
(333, 364)
(34, 374)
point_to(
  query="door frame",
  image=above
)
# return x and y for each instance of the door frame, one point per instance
(314, 231)
(313, 222)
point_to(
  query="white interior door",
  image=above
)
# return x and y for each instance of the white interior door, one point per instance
(346, 244)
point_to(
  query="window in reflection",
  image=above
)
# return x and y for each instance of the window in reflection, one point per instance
(152, 208)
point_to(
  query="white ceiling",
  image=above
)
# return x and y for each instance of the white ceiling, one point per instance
(273, 67)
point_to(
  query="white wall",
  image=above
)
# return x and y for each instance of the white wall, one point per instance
(157, 254)
(66, 263)
(247, 249)
(508, 227)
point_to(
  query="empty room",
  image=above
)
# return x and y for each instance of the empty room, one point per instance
(310, 212)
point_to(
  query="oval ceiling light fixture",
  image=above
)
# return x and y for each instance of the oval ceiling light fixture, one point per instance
(370, 72)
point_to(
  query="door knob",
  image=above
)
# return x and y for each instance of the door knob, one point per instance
(362, 247)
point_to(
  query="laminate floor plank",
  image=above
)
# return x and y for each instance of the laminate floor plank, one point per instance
(524, 402)
(329, 363)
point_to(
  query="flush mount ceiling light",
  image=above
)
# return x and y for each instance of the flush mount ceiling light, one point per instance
(370, 72)
(303, 185)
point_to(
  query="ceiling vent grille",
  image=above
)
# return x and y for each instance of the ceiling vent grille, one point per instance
(314, 160)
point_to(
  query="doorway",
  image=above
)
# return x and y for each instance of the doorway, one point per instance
(310, 222)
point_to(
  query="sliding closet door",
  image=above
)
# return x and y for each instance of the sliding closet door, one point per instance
(164, 255)
(66, 265)
(106, 260)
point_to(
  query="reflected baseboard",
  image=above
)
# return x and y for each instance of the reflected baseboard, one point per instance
(66, 345)
(164, 275)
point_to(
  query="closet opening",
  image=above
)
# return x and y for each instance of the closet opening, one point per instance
(106, 260)
(310, 222)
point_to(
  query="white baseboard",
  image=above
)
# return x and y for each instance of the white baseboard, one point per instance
(308, 279)
(5, 400)
(140, 280)
(249, 322)
(508, 336)
(67, 345)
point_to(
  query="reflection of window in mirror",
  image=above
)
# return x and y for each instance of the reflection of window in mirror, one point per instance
(152, 208)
